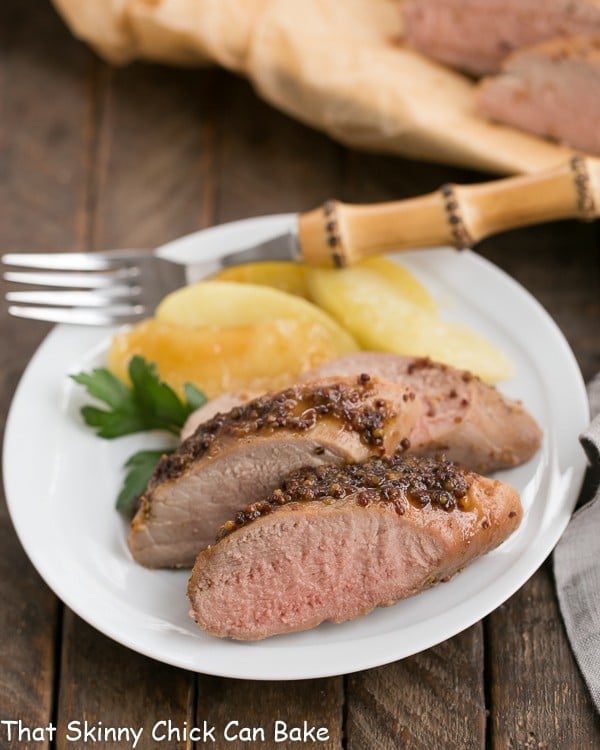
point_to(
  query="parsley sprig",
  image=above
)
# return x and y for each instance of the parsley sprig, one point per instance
(138, 470)
(148, 404)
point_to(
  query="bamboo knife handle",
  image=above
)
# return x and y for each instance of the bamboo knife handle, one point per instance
(340, 234)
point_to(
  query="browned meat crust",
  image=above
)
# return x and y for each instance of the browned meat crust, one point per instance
(242, 456)
(297, 408)
(393, 480)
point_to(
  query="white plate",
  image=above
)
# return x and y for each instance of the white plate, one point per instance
(61, 483)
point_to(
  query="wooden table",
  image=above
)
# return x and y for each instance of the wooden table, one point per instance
(91, 158)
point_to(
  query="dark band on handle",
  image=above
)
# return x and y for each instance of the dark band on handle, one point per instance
(458, 228)
(585, 198)
(334, 239)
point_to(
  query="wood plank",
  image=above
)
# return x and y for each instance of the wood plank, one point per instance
(154, 183)
(147, 183)
(154, 161)
(267, 163)
(42, 194)
(434, 699)
(430, 700)
(28, 622)
(558, 264)
(537, 696)
(370, 177)
(374, 715)
(258, 706)
(111, 687)
(44, 121)
(157, 156)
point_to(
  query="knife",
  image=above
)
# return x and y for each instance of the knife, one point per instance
(339, 234)
(336, 234)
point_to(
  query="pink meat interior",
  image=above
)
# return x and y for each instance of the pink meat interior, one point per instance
(293, 571)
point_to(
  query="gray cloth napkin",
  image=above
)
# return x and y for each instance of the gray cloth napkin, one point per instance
(577, 564)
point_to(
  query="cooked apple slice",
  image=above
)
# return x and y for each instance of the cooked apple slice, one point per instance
(291, 278)
(380, 318)
(399, 279)
(285, 276)
(260, 356)
(226, 303)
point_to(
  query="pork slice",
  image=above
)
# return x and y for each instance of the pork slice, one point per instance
(238, 457)
(334, 543)
(466, 419)
(218, 405)
(476, 35)
(551, 89)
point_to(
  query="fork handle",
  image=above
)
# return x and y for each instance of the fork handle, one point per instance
(340, 234)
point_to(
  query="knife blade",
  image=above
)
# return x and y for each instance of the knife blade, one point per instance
(275, 238)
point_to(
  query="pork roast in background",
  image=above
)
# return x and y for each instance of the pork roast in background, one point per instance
(241, 456)
(551, 89)
(334, 543)
(476, 35)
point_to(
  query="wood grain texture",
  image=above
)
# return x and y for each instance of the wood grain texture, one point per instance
(45, 124)
(174, 158)
(28, 623)
(434, 699)
(370, 178)
(266, 163)
(42, 198)
(419, 702)
(559, 264)
(91, 157)
(317, 702)
(153, 161)
(537, 697)
(108, 685)
(42, 150)
(145, 180)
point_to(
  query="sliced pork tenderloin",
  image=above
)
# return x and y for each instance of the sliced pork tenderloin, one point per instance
(238, 457)
(334, 543)
(552, 90)
(468, 420)
(476, 35)
(217, 405)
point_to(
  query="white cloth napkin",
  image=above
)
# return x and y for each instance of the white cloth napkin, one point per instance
(577, 563)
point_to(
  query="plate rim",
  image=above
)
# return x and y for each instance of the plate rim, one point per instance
(361, 661)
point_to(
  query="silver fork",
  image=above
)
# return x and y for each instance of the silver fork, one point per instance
(122, 286)
(104, 288)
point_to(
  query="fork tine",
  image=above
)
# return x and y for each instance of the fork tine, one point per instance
(69, 261)
(92, 294)
(72, 280)
(105, 298)
(80, 316)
